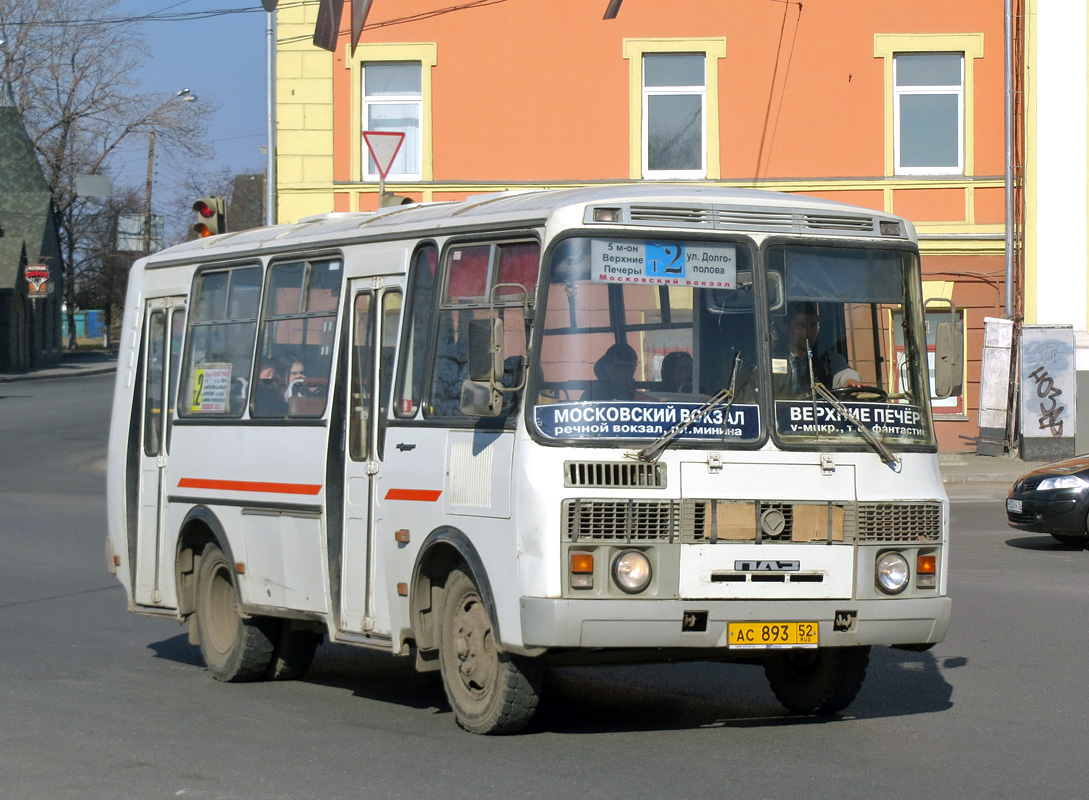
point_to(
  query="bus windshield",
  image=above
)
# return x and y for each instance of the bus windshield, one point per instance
(848, 326)
(638, 334)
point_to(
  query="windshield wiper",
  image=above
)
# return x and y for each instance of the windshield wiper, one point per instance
(725, 397)
(886, 455)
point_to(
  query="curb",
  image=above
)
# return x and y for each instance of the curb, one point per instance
(53, 374)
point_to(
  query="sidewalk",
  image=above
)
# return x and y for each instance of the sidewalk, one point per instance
(966, 467)
(84, 362)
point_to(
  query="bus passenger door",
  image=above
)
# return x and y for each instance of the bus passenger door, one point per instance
(164, 324)
(376, 312)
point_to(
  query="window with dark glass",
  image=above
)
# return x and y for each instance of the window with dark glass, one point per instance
(929, 92)
(219, 351)
(674, 107)
(413, 367)
(476, 275)
(298, 332)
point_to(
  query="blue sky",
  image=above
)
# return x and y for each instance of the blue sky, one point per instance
(221, 59)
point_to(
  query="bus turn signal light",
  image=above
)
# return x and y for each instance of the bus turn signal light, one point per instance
(582, 570)
(582, 562)
(926, 571)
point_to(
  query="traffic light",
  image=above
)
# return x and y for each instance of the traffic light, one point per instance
(211, 217)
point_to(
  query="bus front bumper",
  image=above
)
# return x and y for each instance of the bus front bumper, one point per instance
(572, 623)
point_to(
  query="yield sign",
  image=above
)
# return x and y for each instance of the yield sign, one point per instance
(384, 146)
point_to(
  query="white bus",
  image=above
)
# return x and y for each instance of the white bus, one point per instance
(585, 426)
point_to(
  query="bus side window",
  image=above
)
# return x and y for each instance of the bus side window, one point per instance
(362, 389)
(296, 338)
(413, 363)
(219, 348)
(391, 317)
(483, 280)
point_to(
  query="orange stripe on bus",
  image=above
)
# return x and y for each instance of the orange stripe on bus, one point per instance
(250, 486)
(422, 495)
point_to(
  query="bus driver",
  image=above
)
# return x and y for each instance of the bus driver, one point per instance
(829, 367)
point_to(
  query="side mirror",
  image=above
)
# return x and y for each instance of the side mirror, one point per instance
(480, 395)
(949, 356)
(479, 399)
(485, 349)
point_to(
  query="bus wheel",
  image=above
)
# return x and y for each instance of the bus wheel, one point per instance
(821, 681)
(235, 649)
(294, 652)
(490, 691)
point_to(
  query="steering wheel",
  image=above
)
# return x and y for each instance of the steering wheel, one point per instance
(861, 393)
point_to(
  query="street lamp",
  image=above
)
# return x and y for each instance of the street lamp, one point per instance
(184, 96)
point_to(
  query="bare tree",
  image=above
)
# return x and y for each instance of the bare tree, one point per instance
(70, 64)
(102, 271)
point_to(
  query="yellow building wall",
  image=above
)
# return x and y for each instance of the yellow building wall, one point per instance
(304, 117)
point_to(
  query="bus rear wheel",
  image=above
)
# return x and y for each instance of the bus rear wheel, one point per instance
(234, 648)
(490, 691)
(821, 681)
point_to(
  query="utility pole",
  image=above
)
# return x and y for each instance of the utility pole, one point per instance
(147, 194)
(186, 97)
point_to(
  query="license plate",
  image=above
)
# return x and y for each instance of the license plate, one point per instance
(772, 635)
(1013, 506)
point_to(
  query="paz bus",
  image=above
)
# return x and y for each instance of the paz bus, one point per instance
(582, 426)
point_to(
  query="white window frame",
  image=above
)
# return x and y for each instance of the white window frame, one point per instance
(366, 102)
(675, 91)
(957, 90)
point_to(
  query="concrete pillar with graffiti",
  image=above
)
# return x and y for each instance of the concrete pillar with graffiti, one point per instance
(1048, 389)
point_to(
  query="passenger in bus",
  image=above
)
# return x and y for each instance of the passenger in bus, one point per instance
(829, 367)
(280, 379)
(677, 372)
(615, 373)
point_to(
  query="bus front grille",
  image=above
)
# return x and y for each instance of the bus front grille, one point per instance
(614, 475)
(699, 522)
(621, 520)
(899, 522)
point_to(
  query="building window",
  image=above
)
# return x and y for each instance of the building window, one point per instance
(674, 114)
(393, 101)
(929, 101)
(673, 97)
(929, 107)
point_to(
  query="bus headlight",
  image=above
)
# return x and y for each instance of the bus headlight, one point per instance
(631, 571)
(892, 572)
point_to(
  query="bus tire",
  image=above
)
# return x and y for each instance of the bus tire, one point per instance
(294, 652)
(234, 648)
(821, 681)
(490, 691)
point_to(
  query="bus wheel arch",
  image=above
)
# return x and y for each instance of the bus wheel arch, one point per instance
(200, 528)
(445, 550)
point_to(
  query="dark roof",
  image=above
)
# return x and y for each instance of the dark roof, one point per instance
(25, 199)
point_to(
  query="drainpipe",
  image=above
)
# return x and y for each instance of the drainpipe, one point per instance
(1010, 260)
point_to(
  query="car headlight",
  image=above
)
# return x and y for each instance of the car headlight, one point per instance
(892, 573)
(1062, 482)
(631, 571)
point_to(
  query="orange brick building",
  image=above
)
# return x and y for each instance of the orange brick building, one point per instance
(894, 106)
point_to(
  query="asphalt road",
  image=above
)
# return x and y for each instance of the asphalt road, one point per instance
(98, 703)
